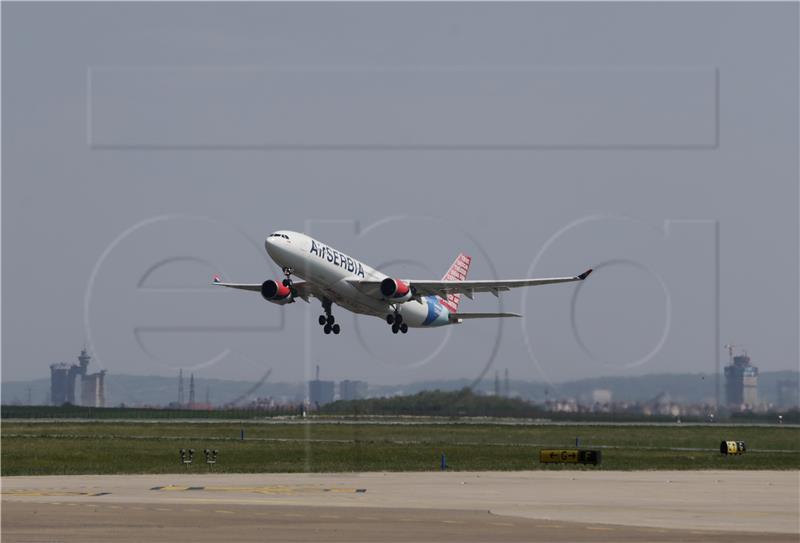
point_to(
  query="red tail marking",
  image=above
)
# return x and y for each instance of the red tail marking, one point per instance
(457, 272)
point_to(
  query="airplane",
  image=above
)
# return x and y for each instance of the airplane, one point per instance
(334, 277)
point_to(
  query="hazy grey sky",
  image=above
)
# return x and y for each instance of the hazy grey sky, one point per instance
(148, 146)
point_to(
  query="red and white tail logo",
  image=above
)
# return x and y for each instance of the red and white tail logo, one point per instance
(457, 272)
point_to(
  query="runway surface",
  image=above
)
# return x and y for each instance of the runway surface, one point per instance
(453, 506)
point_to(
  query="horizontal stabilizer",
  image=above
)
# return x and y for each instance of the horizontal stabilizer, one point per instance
(456, 316)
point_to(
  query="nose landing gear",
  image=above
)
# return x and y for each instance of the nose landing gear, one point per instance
(327, 321)
(288, 280)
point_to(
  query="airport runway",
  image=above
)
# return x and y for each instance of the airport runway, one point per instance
(453, 506)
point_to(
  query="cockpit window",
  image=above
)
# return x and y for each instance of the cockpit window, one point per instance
(277, 235)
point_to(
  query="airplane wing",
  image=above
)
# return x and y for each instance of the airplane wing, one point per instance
(467, 288)
(256, 287)
(302, 288)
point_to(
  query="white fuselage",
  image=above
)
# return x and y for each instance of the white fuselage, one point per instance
(328, 271)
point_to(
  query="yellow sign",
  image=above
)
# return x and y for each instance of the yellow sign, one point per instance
(50, 492)
(569, 456)
(732, 447)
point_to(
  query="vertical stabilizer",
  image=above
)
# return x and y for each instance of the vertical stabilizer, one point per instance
(457, 272)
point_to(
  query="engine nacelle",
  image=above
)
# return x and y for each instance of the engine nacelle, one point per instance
(396, 290)
(276, 292)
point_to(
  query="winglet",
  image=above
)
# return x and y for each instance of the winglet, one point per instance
(585, 274)
(216, 279)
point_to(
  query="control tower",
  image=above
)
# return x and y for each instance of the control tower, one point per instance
(741, 382)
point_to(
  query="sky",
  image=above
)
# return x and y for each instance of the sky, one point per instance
(148, 146)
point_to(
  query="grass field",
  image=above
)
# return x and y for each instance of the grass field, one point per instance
(49, 448)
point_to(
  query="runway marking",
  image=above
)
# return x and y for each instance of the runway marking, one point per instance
(501, 524)
(329, 516)
(273, 489)
(408, 520)
(163, 509)
(549, 526)
(453, 522)
(295, 515)
(114, 507)
(600, 528)
(46, 492)
(224, 511)
(367, 518)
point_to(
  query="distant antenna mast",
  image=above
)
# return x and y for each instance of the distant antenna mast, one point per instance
(730, 346)
(191, 390)
(180, 387)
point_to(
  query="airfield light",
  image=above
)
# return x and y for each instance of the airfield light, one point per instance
(187, 456)
(211, 456)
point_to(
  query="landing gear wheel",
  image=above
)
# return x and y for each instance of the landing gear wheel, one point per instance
(404, 328)
(390, 318)
(395, 328)
(328, 321)
(398, 318)
(287, 282)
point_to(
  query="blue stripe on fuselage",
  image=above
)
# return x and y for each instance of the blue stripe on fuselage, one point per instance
(434, 309)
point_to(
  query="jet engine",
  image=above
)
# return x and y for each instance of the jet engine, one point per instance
(396, 290)
(276, 292)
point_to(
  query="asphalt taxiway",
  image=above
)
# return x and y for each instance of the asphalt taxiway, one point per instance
(452, 506)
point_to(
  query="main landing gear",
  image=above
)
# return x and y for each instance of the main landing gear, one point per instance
(327, 321)
(396, 320)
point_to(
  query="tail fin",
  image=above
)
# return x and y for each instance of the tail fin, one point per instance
(457, 272)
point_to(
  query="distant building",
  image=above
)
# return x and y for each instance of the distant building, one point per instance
(741, 382)
(320, 392)
(352, 390)
(63, 377)
(601, 395)
(93, 391)
(788, 393)
(62, 384)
